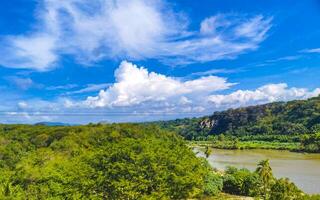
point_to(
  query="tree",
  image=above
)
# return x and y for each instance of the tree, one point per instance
(265, 173)
(213, 184)
(311, 143)
(315, 128)
(283, 189)
(207, 151)
(240, 182)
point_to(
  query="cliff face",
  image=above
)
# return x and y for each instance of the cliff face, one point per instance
(290, 118)
(221, 122)
(294, 117)
(207, 123)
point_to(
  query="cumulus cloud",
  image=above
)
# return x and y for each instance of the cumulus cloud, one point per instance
(136, 85)
(136, 30)
(136, 90)
(265, 94)
(141, 95)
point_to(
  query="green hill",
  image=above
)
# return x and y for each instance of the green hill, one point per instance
(291, 118)
(280, 118)
(295, 122)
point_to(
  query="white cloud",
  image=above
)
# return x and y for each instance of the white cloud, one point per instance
(35, 52)
(150, 95)
(62, 87)
(95, 30)
(211, 25)
(265, 94)
(23, 83)
(91, 88)
(316, 50)
(135, 85)
(22, 105)
(32, 111)
(220, 37)
(25, 117)
(215, 71)
(141, 95)
(254, 28)
(314, 93)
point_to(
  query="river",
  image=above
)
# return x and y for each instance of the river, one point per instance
(301, 168)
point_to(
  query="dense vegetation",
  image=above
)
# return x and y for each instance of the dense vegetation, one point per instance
(99, 162)
(232, 142)
(119, 161)
(294, 125)
(189, 128)
(291, 118)
(261, 183)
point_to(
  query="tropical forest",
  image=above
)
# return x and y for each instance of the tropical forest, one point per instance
(159, 100)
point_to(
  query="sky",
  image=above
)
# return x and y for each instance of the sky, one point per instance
(80, 61)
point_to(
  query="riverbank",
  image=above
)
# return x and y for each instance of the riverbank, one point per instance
(290, 146)
(300, 168)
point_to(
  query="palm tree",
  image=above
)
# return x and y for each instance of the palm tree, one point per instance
(265, 173)
(207, 152)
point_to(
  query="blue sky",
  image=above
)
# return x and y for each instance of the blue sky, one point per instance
(81, 61)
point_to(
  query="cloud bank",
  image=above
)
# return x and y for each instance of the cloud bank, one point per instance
(136, 90)
(135, 85)
(265, 94)
(91, 31)
(140, 95)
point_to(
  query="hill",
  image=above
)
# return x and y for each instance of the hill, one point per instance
(291, 118)
(294, 124)
(280, 118)
(51, 124)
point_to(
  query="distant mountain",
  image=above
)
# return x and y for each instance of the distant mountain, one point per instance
(279, 118)
(52, 124)
(104, 122)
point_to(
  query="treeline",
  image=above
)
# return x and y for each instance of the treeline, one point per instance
(305, 143)
(188, 128)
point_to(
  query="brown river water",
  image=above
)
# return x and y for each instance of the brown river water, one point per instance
(301, 168)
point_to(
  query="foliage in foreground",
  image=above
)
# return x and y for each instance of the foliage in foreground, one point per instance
(99, 162)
